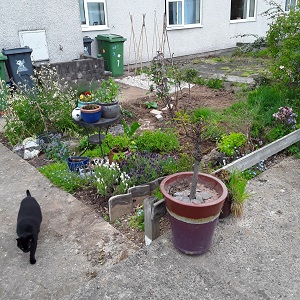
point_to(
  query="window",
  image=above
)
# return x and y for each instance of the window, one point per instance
(242, 9)
(93, 13)
(183, 12)
(290, 4)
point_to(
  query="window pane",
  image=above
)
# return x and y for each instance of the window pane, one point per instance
(96, 13)
(191, 11)
(175, 13)
(82, 12)
(251, 8)
(238, 9)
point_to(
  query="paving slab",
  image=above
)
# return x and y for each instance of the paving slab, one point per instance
(74, 245)
(255, 257)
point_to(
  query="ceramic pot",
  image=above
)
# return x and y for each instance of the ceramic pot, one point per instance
(226, 208)
(110, 110)
(90, 113)
(193, 224)
(76, 162)
(114, 151)
(82, 103)
(76, 114)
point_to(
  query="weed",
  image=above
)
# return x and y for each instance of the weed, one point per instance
(137, 220)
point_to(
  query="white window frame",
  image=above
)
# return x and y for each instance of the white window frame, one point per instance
(248, 18)
(288, 4)
(87, 27)
(183, 25)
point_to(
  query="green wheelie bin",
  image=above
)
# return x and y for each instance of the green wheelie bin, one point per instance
(111, 49)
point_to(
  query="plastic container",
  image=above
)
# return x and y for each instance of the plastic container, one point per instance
(87, 45)
(19, 66)
(111, 49)
(3, 91)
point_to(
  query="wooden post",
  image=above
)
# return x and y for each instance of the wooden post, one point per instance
(154, 209)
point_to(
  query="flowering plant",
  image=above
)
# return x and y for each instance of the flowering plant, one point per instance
(110, 180)
(286, 116)
(86, 96)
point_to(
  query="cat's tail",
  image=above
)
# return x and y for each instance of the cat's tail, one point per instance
(28, 193)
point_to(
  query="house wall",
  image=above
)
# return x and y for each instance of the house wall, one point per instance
(59, 18)
(216, 33)
(61, 21)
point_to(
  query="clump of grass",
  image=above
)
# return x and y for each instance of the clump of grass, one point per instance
(60, 175)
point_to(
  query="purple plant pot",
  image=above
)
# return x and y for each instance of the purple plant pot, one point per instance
(193, 224)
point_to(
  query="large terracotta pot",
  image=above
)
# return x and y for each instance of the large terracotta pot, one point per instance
(193, 224)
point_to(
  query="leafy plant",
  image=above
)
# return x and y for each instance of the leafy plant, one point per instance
(107, 92)
(122, 142)
(229, 144)
(137, 220)
(56, 149)
(119, 142)
(151, 104)
(130, 130)
(157, 141)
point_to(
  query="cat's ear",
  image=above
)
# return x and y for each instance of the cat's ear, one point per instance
(17, 239)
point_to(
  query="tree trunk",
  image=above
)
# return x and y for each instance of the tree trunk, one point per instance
(195, 180)
(197, 136)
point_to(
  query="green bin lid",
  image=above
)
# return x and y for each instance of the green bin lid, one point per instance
(112, 38)
(3, 57)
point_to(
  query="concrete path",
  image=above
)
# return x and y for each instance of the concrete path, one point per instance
(256, 257)
(74, 243)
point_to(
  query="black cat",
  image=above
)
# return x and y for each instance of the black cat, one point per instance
(28, 225)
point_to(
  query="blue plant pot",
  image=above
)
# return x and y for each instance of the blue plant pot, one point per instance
(81, 103)
(90, 115)
(76, 162)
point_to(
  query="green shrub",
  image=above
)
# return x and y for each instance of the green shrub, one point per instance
(157, 141)
(229, 144)
(283, 39)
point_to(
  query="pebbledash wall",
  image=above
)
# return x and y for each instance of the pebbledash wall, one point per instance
(216, 32)
(60, 19)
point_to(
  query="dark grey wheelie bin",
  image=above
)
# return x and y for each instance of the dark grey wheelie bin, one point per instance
(19, 66)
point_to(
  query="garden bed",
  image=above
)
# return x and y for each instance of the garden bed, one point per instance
(201, 96)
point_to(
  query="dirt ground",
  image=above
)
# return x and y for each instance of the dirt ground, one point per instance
(133, 102)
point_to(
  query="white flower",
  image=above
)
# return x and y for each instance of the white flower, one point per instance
(281, 67)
